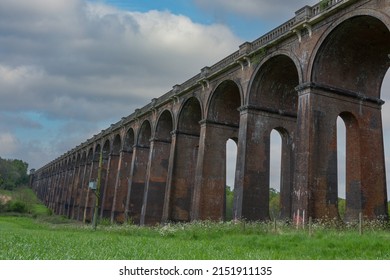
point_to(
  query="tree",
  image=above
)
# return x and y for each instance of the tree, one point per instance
(274, 203)
(13, 173)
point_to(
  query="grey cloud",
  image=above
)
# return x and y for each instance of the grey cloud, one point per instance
(76, 62)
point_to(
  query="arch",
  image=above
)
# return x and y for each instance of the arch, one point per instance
(353, 182)
(358, 64)
(286, 173)
(138, 173)
(90, 155)
(224, 104)
(157, 171)
(273, 85)
(164, 126)
(122, 178)
(97, 152)
(231, 164)
(144, 134)
(222, 123)
(117, 144)
(179, 192)
(272, 104)
(106, 149)
(129, 140)
(190, 116)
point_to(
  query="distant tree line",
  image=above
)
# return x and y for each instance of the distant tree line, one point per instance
(13, 173)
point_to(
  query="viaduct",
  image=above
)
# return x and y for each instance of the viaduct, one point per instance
(167, 160)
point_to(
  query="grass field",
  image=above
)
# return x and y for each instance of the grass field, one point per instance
(24, 238)
(37, 235)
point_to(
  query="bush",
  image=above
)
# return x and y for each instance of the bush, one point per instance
(18, 207)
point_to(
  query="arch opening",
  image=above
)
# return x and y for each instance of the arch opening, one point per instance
(275, 174)
(341, 166)
(117, 145)
(157, 175)
(273, 118)
(358, 64)
(221, 124)
(185, 158)
(385, 96)
(231, 161)
(140, 164)
(349, 164)
(274, 86)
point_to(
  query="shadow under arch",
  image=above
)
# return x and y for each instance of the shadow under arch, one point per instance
(221, 124)
(157, 171)
(353, 188)
(346, 78)
(139, 166)
(119, 213)
(185, 143)
(272, 104)
(357, 64)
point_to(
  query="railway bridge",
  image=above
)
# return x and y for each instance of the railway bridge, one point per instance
(167, 160)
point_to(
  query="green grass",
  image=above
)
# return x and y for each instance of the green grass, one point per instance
(24, 238)
(38, 235)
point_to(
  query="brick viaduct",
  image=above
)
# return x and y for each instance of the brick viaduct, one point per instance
(167, 161)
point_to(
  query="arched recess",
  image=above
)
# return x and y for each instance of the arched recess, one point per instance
(185, 141)
(231, 164)
(221, 124)
(385, 95)
(157, 173)
(73, 191)
(347, 76)
(272, 104)
(93, 176)
(63, 186)
(354, 56)
(111, 178)
(71, 174)
(104, 210)
(138, 172)
(353, 188)
(79, 186)
(122, 179)
(273, 87)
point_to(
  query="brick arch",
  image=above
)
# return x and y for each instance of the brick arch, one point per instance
(189, 116)
(106, 149)
(140, 165)
(129, 141)
(221, 124)
(144, 134)
(273, 85)
(353, 54)
(117, 144)
(272, 104)
(164, 126)
(224, 103)
(179, 192)
(157, 171)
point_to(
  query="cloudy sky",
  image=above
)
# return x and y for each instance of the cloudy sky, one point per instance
(70, 68)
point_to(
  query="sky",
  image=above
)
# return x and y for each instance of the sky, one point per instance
(70, 68)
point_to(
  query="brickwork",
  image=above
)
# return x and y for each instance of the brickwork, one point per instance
(167, 160)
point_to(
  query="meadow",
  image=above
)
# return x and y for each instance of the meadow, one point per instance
(39, 235)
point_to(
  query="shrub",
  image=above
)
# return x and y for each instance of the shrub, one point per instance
(18, 207)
